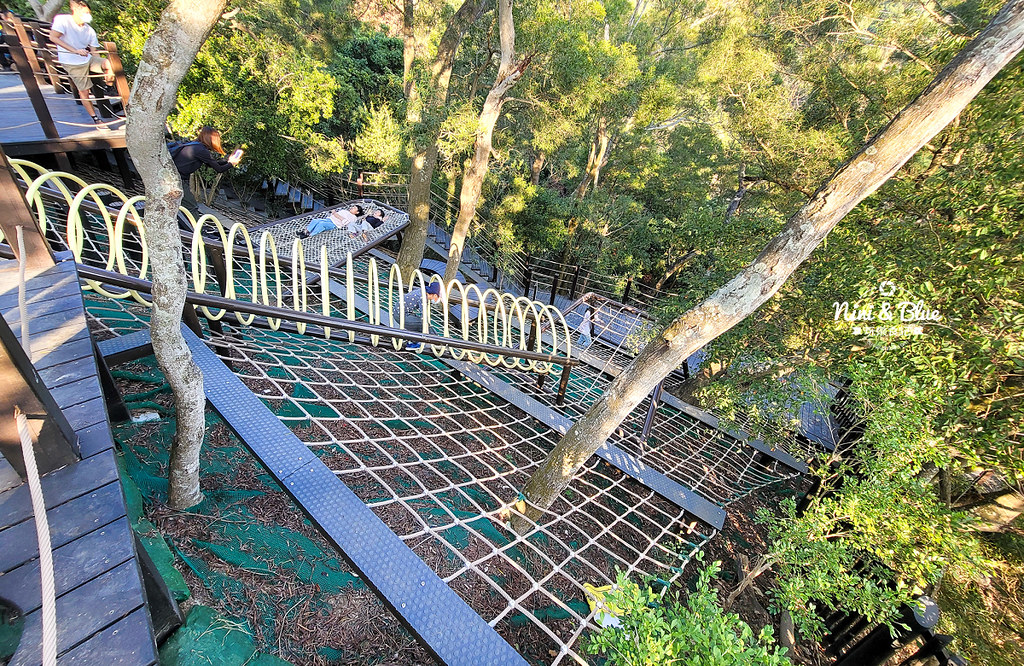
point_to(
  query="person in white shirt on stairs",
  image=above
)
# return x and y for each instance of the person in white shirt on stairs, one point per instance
(76, 41)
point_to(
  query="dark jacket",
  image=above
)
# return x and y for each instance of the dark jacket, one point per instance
(191, 156)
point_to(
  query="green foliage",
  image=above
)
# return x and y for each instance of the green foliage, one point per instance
(529, 218)
(379, 144)
(695, 631)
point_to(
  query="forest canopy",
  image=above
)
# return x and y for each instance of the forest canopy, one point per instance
(664, 142)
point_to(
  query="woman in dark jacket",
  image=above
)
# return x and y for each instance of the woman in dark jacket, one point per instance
(206, 149)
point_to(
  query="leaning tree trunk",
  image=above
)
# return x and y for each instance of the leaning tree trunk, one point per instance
(473, 180)
(425, 109)
(596, 160)
(943, 99)
(169, 52)
(45, 11)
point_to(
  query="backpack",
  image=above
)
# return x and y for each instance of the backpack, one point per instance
(174, 147)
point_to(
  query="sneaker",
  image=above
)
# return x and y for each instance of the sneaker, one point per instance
(413, 346)
(302, 233)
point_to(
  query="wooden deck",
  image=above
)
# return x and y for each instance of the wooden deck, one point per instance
(21, 132)
(102, 616)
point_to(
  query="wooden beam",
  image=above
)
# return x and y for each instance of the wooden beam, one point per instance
(14, 213)
(55, 441)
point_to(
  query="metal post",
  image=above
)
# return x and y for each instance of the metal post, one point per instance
(649, 421)
(625, 293)
(528, 277)
(563, 384)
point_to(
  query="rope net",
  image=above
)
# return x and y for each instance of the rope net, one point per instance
(440, 459)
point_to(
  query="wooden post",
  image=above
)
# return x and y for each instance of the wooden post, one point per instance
(55, 442)
(44, 52)
(121, 159)
(17, 214)
(359, 185)
(575, 282)
(116, 409)
(625, 292)
(28, 69)
(123, 91)
(563, 384)
(554, 286)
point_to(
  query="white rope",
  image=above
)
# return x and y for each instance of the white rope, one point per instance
(49, 597)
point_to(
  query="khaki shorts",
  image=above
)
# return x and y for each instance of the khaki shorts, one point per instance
(80, 73)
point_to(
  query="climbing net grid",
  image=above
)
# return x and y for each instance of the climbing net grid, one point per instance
(440, 459)
(620, 331)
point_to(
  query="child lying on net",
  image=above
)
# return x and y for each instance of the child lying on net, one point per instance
(337, 219)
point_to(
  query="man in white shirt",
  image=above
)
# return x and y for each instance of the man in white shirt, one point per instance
(76, 40)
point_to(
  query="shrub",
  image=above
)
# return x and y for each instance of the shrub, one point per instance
(658, 629)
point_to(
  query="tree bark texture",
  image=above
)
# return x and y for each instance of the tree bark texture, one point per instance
(425, 107)
(597, 159)
(473, 180)
(941, 102)
(169, 52)
(45, 11)
(538, 164)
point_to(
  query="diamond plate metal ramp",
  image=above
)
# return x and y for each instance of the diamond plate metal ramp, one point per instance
(428, 608)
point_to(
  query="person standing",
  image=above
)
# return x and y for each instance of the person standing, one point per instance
(76, 42)
(586, 330)
(189, 157)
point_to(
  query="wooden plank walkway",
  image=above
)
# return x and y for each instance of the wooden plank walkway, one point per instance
(22, 134)
(428, 608)
(101, 603)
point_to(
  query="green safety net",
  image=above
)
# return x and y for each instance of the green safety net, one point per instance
(209, 639)
(235, 536)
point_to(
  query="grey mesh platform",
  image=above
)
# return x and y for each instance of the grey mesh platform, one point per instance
(101, 604)
(432, 612)
(337, 241)
(709, 512)
(709, 419)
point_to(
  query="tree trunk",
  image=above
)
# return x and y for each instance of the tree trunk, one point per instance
(741, 190)
(943, 99)
(424, 111)
(473, 180)
(597, 159)
(46, 11)
(169, 52)
(538, 164)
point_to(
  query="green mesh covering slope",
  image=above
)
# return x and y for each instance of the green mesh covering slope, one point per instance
(209, 639)
(235, 534)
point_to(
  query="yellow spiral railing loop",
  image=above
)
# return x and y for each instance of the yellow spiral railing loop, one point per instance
(496, 319)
